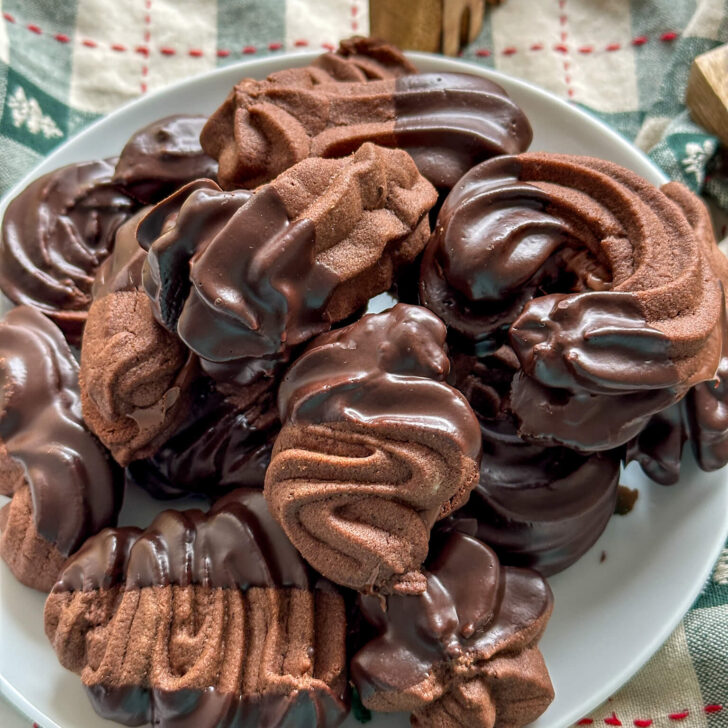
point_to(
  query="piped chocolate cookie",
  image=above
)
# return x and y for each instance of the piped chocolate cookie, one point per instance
(55, 234)
(202, 621)
(463, 654)
(60, 479)
(537, 506)
(448, 122)
(375, 448)
(162, 157)
(597, 280)
(218, 448)
(242, 281)
(134, 378)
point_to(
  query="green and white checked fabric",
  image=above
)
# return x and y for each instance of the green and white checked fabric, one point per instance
(63, 64)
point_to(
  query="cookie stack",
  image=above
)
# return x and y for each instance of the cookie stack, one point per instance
(386, 491)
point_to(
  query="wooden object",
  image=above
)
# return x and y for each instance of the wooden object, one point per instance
(707, 95)
(434, 26)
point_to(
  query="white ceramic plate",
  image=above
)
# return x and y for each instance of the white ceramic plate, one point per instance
(610, 616)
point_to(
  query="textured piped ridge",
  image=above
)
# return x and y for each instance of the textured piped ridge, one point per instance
(364, 59)
(134, 378)
(448, 122)
(55, 234)
(201, 621)
(320, 240)
(463, 653)
(702, 416)
(62, 493)
(163, 156)
(375, 447)
(591, 271)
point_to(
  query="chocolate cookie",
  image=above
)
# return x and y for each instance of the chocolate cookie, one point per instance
(375, 447)
(591, 272)
(364, 59)
(218, 448)
(463, 653)
(242, 282)
(201, 621)
(538, 507)
(55, 234)
(61, 481)
(448, 122)
(122, 270)
(135, 376)
(162, 157)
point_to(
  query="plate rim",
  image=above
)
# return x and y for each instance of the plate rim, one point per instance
(609, 687)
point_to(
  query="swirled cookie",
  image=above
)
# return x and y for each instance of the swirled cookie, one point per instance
(162, 157)
(201, 621)
(134, 378)
(598, 280)
(241, 281)
(375, 447)
(448, 122)
(463, 653)
(61, 481)
(55, 234)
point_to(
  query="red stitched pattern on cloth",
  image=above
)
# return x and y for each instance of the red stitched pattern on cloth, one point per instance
(147, 38)
(563, 48)
(613, 720)
(665, 37)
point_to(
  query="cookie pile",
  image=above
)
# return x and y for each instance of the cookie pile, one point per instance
(387, 491)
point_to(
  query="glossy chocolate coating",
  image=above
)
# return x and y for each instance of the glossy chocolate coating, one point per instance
(55, 234)
(540, 507)
(472, 610)
(236, 544)
(122, 270)
(447, 121)
(162, 157)
(74, 491)
(658, 447)
(606, 293)
(218, 449)
(136, 706)
(385, 369)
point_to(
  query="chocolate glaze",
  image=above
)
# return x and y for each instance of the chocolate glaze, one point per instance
(55, 234)
(218, 449)
(471, 606)
(122, 270)
(607, 294)
(136, 706)
(161, 157)
(540, 507)
(387, 368)
(658, 447)
(237, 301)
(447, 121)
(71, 480)
(706, 411)
(236, 544)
